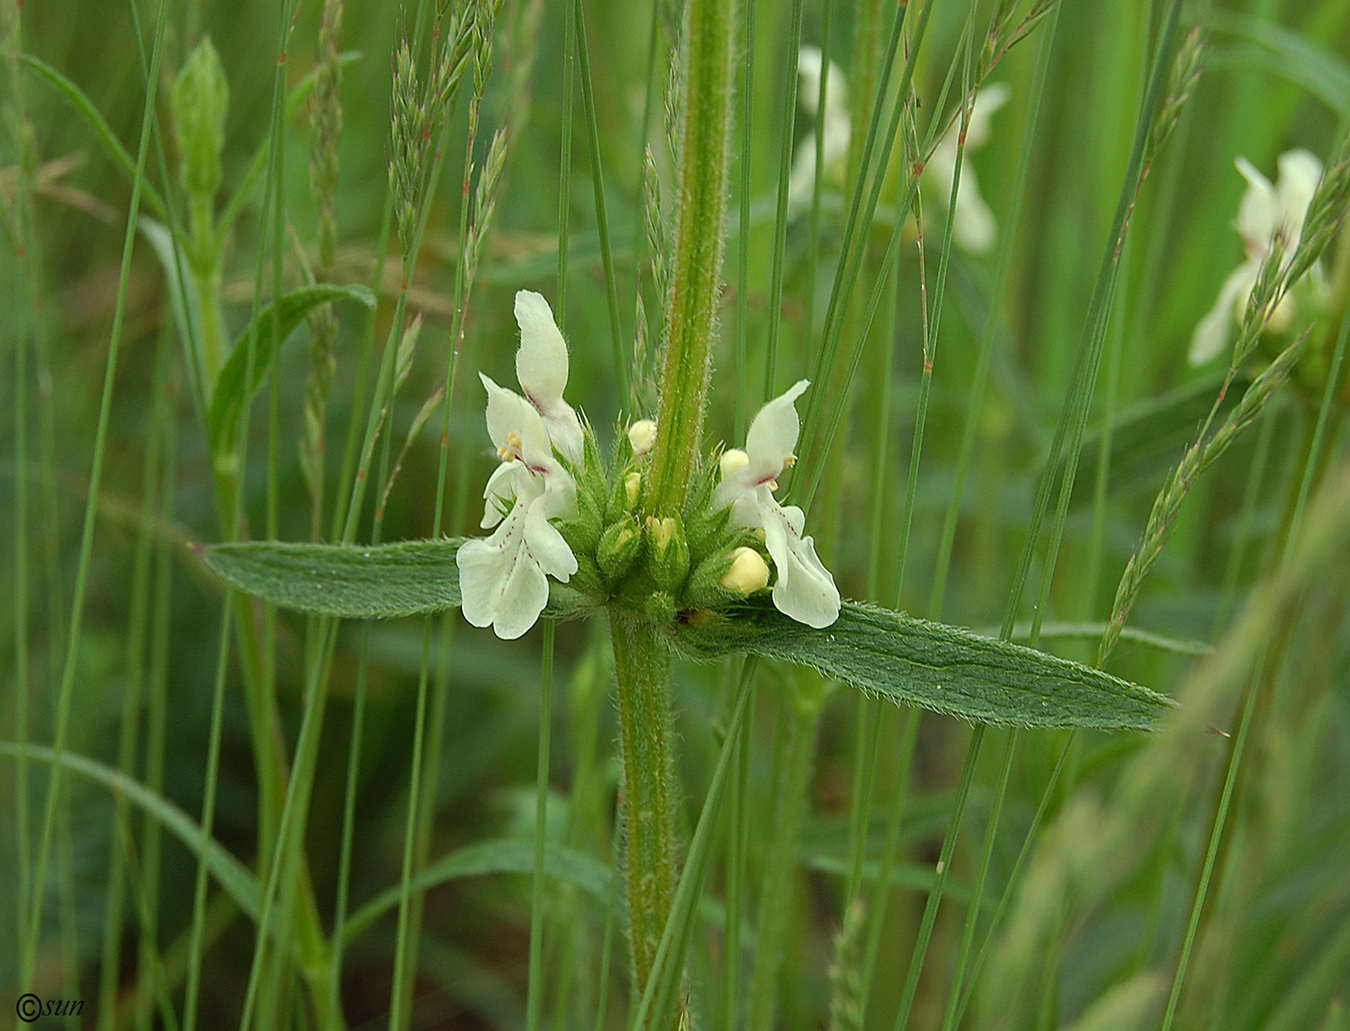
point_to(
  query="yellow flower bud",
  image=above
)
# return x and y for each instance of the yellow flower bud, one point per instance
(748, 573)
(632, 484)
(642, 435)
(733, 459)
(619, 547)
(668, 551)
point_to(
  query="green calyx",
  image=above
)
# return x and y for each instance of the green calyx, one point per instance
(655, 567)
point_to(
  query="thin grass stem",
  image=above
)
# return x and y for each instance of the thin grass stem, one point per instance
(28, 954)
(780, 221)
(622, 360)
(535, 999)
(197, 940)
(930, 910)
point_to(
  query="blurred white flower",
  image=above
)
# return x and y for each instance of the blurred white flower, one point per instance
(974, 226)
(1266, 212)
(805, 589)
(503, 579)
(834, 125)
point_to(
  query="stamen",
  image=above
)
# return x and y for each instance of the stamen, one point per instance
(511, 449)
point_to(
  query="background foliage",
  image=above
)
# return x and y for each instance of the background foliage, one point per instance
(1098, 925)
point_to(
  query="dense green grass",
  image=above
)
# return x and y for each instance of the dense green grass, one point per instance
(220, 813)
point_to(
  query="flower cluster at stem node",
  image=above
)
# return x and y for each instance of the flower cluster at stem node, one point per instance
(556, 511)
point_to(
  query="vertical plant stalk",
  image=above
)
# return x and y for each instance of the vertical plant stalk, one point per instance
(641, 655)
(204, 265)
(15, 217)
(700, 230)
(326, 125)
(642, 666)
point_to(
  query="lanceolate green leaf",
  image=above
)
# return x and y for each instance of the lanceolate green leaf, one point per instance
(932, 665)
(1322, 72)
(231, 395)
(401, 579)
(404, 579)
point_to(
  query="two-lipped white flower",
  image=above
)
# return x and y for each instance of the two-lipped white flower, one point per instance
(503, 579)
(974, 226)
(1267, 212)
(805, 589)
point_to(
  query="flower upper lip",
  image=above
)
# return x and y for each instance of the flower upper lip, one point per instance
(542, 367)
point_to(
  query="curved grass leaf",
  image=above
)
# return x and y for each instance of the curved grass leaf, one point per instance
(228, 871)
(932, 665)
(1321, 72)
(408, 578)
(495, 856)
(85, 108)
(231, 395)
(1093, 632)
(915, 876)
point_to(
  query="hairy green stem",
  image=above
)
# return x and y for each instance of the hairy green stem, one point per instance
(696, 281)
(642, 667)
(641, 654)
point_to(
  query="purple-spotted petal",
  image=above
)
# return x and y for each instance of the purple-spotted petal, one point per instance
(805, 590)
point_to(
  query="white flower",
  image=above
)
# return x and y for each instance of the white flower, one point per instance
(805, 589)
(835, 126)
(503, 579)
(1266, 212)
(974, 227)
